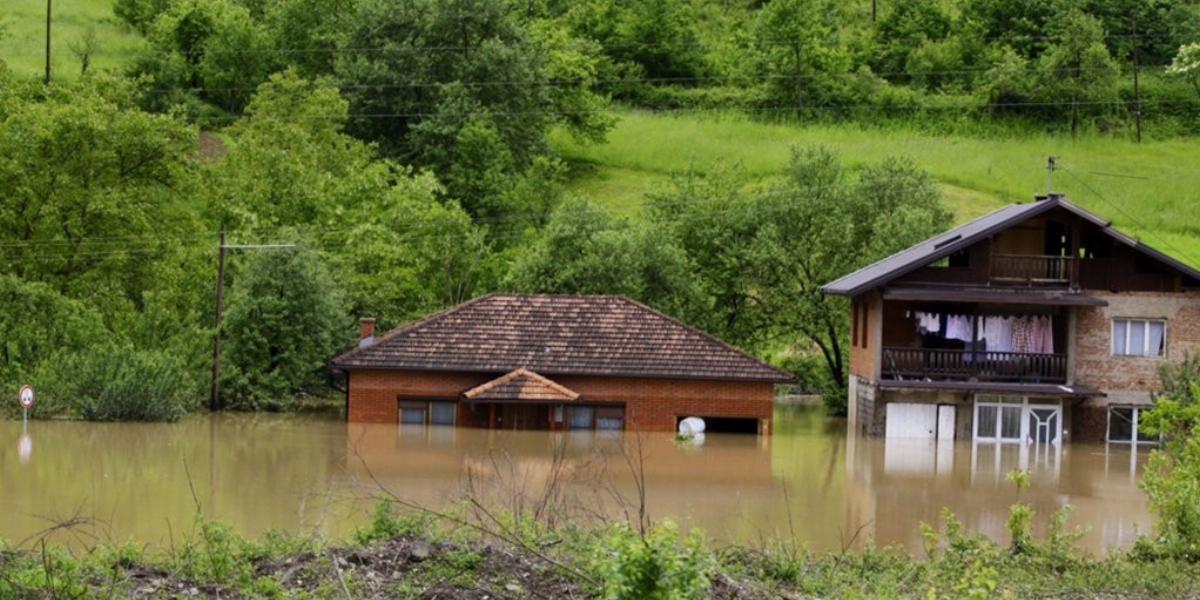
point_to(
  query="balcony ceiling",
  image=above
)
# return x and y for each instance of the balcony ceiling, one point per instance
(993, 295)
(1024, 389)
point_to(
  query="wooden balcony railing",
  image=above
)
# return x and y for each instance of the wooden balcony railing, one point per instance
(965, 365)
(1032, 269)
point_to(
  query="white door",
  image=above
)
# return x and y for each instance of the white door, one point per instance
(945, 422)
(912, 421)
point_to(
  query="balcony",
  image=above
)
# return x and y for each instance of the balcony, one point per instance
(1031, 269)
(927, 364)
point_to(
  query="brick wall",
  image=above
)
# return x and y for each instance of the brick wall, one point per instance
(863, 358)
(650, 404)
(1130, 379)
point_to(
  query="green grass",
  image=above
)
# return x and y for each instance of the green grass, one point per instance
(1151, 190)
(23, 43)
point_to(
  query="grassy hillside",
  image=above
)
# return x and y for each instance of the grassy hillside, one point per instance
(1151, 190)
(23, 43)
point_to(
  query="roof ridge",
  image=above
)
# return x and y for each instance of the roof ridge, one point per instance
(706, 335)
(396, 331)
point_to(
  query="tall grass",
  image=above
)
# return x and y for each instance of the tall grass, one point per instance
(23, 43)
(1150, 190)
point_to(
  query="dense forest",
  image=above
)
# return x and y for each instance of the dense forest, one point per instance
(399, 149)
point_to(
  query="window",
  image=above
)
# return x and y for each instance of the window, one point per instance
(1139, 337)
(412, 415)
(428, 413)
(610, 419)
(581, 417)
(442, 413)
(1123, 426)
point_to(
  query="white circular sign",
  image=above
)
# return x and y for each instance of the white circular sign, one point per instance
(26, 396)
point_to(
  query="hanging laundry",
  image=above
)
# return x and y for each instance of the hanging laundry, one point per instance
(1042, 336)
(958, 327)
(929, 322)
(1022, 336)
(998, 333)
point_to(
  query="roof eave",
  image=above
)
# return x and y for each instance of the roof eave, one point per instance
(781, 378)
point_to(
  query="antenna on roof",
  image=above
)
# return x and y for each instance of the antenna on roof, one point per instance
(1050, 165)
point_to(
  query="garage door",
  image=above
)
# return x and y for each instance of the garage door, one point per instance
(912, 421)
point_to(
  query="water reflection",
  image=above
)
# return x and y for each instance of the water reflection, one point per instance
(895, 484)
(808, 482)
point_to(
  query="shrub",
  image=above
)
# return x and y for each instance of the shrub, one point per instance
(657, 565)
(117, 382)
(1172, 479)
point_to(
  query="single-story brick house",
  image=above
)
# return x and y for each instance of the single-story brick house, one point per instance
(555, 362)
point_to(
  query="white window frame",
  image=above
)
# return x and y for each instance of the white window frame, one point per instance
(1134, 439)
(1126, 323)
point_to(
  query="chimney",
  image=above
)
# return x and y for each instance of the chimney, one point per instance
(366, 331)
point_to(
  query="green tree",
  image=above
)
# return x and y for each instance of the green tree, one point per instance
(906, 27)
(290, 163)
(212, 50)
(36, 323)
(408, 253)
(139, 14)
(284, 321)
(762, 255)
(1019, 24)
(658, 37)
(306, 32)
(90, 191)
(798, 49)
(1186, 65)
(1077, 68)
(1172, 479)
(584, 250)
(461, 87)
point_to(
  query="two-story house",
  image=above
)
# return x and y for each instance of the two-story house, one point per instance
(1039, 322)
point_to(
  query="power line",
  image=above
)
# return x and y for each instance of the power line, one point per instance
(451, 48)
(651, 80)
(1141, 226)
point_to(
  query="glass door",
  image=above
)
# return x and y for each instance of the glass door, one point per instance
(1044, 424)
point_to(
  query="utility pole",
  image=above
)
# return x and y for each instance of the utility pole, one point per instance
(1050, 166)
(48, 3)
(874, 10)
(1137, 92)
(214, 402)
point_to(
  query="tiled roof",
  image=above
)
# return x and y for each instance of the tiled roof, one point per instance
(945, 244)
(559, 335)
(522, 384)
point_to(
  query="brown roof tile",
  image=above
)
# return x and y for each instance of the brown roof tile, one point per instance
(559, 335)
(522, 384)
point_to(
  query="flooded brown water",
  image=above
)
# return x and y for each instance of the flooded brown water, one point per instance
(144, 482)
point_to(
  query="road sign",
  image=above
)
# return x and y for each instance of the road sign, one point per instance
(26, 397)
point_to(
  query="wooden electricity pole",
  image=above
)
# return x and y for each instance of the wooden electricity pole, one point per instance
(214, 402)
(1137, 92)
(48, 4)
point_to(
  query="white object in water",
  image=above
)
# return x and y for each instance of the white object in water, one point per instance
(691, 426)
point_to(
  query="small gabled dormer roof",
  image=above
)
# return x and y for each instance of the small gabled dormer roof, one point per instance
(521, 384)
(964, 236)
